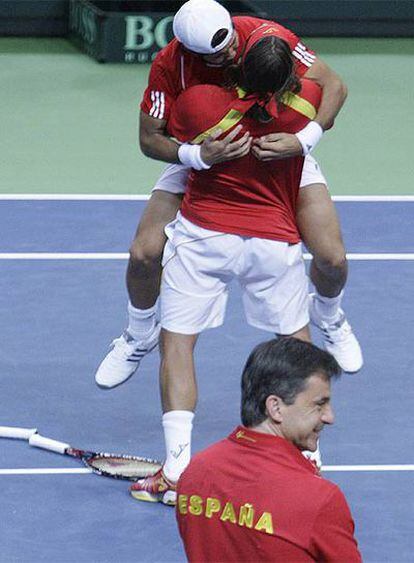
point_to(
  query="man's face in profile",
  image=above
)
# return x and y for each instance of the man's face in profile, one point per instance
(303, 421)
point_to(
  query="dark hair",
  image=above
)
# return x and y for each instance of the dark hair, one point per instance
(280, 367)
(268, 67)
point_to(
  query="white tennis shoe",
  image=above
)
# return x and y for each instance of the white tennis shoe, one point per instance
(123, 359)
(338, 339)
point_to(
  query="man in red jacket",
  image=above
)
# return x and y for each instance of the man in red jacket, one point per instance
(253, 496)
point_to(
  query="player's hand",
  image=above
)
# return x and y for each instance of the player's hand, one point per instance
(214, 150)
(276, 145)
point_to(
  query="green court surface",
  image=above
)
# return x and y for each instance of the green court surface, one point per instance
(69, 124)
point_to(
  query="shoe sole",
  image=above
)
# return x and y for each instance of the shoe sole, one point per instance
(148, 497)
(351, 371)
(345, 370)
(313, 323)
(109, 387)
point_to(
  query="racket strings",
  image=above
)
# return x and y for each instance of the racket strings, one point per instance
(123, 467)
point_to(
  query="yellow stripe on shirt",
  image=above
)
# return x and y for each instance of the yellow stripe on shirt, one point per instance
(299, 104)
(231, 119)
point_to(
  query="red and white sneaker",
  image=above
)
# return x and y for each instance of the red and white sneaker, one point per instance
(156, 488)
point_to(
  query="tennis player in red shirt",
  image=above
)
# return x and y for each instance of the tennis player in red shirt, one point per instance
(207, 41)
(253, 496)
(237, 221)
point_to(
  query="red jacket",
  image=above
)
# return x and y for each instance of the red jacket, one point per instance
(254, 497)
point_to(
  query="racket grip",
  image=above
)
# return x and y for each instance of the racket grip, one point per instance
(15, 432)
(39, 441)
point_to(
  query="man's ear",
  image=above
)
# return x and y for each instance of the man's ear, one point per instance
(273, 408)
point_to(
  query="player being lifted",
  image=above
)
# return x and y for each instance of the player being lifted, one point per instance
(207, 41)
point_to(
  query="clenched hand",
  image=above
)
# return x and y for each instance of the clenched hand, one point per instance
(275, 146)
(214, 150)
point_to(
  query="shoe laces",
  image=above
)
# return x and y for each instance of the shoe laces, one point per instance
(338, 330)
(125, 345)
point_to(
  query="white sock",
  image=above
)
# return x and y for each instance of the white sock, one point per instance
(141, 322)
(177, 426)
(328, 307)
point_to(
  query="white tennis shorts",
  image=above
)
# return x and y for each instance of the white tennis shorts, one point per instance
(199, 264)
(174, 177)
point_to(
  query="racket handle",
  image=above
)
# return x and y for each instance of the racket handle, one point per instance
(39, 441)
(15, 432)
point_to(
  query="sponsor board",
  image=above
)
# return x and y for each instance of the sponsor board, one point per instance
(118, 36)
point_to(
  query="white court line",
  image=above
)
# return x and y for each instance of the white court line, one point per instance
(76, 197)
(64, 256)
(124, 256)
(373, 198)
(327, 468)
(45, 471)
(144, 197)
(407, 467)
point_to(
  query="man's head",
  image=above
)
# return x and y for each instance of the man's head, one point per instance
(267, 66)
(286, 390)
(205, 27)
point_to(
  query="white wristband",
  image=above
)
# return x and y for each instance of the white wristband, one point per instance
(309, 136)
(189, 155)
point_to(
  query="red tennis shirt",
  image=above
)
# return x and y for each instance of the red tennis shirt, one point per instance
(245, 196)
(254, 497)
(174, 69)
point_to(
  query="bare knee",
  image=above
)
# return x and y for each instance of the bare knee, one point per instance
(148, 245)
(145, 254)
(334, 260)
(174, 346)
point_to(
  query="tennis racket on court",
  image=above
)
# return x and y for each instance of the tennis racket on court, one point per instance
(117, 466)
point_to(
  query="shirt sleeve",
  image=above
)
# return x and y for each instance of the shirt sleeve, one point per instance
(303, 56)
(161, 91)
(333, 537)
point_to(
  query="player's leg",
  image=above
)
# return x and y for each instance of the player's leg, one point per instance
(143, 281)
(302, 334)
(179, 398)
(144, 266)
(178, 392)
(276, 295)
(319, 226)
(193, 298)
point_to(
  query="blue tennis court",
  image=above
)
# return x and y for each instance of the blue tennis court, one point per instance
(63, 299)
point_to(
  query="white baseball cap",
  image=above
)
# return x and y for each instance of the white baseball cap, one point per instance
(196, 23)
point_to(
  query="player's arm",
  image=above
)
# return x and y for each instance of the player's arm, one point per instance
(333, 532)
(334, 93)
(153, 139)
(285, 145)
(155, 143)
